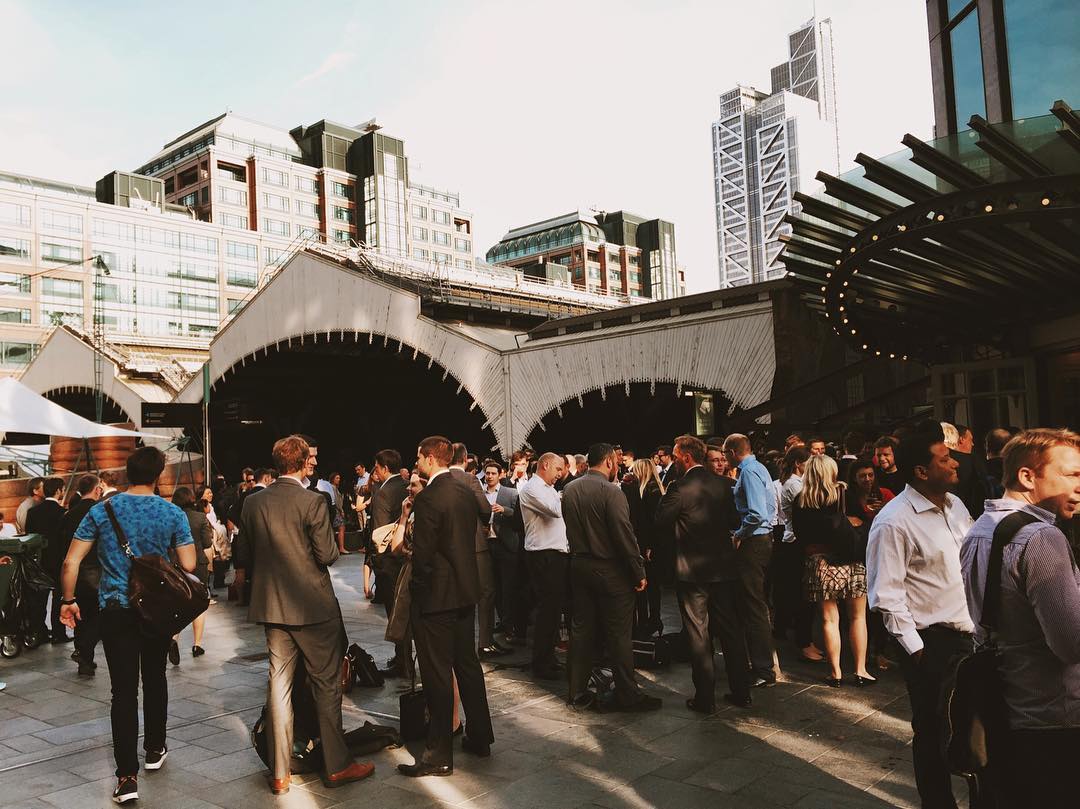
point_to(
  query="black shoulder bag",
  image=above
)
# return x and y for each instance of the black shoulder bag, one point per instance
(975, 718)
(165, 597)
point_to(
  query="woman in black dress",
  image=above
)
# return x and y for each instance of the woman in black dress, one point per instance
(643, 490)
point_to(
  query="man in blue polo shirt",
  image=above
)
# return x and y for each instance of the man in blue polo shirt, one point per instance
(756, 505)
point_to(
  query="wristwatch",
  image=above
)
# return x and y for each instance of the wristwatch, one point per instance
(65, 603)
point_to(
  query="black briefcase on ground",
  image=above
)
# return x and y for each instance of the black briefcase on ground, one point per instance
(412, 707)
(651, 653)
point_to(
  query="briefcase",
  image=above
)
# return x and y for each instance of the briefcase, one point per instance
(412, 708)
(652, 653)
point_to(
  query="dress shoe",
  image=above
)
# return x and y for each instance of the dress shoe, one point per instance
(738, 700)
(834, 682)
(514, 639)
(487, 652)
(699, 707)
(481, 749)
(357, 771)
(504, 649)
(75, 655)
(87, 669)
(197, 651)
(757, 681)
(420, 769)
(862, 682)
(280, 786)
(174, 653)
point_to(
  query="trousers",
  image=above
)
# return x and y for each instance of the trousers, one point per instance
(709, 610)
(88, 630)
(550, 575)
(753, 561)
(485, 607)
(321, 647)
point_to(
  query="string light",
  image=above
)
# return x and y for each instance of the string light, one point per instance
(1044, 202)
(989, 208)
(901, 228)
(940, 217)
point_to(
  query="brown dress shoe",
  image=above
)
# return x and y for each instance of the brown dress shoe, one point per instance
(279, 786)
(357, 771)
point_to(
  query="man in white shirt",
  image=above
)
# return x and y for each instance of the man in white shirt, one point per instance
(547, 554)
(915, 582)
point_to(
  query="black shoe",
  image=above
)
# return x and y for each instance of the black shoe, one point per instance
(75, 655)
(504, 649)
(476, 748)
(419, 769)
(738, 700)
(644, 704)
(514, 639)
(197, 651)
(155, 758)
(392, 663)
(834, 682)
(87, 669)
(59, 639)
(694, 705)
(762, 682)
(127, 789)
(862, 682)
(174, 653)
(486, 652)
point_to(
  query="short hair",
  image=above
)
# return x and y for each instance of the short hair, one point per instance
(853, 441)
(579, 459)
(663, 449)
(389, 458)
(311, 442)
(961, 429)
(183, 497)
(461, 454)
(290, 454)
(1029, 449)
(519, 455)
(493, 462)
(32, 486)
(737, 443)
(887, 441)
(548, 457)
(52, 486)
(145, 465)
(87, 483)
(261, 473)
(617, 447)
(439, 448)
(694, 447)
(109, 478)
(816, 439)
(598, 453)
(916, 449)
(996, 440)
(247, 470)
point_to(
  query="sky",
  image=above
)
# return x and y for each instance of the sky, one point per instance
(529, 110)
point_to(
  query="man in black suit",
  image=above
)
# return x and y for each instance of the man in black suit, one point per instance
(87, 632)
(46, 518)
(288, 527)
(389, 492)
(606, 573)
(698, 511)
(445, 588)
(485, 607)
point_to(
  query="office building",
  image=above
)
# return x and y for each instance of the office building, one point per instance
(616, 253)
(1001, 59)
(767, 147)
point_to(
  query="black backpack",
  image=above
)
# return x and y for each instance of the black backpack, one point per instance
(365, 673)
(974, 716)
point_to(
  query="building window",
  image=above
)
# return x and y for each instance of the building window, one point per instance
(170, 186)
(276, 227)
(309, 185)
(12, 248)
(274, 255)
(63, 222)
(244, 252)
(968, 91)
(232, 196)
(462, 245)
(440, 238)
(14, 214)
(9, 315)
(61, 288)
(341, 236)
(276, 203)
(187, 178)
(56, 251)
(440, 217)
(12, 284)
(1044, 62)
(186, 302)
(242, 276)
(419, 233)
(594, 273)
(343, 214)
(233, 220)
(420, 252)
(190, 243)
(229, 171)
(234, 304)
(341, 190)
(308, 209)
(419, 212)
(275, 177)
(443, 258)
(462, 264)
(189, 200)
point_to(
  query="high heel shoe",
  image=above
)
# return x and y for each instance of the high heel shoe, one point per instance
(197, 651)
(834, 682)
(861, 682)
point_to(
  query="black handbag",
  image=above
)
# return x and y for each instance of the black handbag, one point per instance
(165, 597)
(847, 544)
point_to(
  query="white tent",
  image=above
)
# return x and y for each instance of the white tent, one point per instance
(23, 411)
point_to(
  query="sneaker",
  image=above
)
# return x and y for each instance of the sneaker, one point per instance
(155, 758)
(174, 653)
(87, 669)
(127, 789)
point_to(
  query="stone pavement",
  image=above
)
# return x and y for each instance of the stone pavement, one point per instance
(802, 744)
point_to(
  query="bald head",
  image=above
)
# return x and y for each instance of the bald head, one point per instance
(550, 467)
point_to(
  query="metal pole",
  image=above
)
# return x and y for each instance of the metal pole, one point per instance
(206, 422)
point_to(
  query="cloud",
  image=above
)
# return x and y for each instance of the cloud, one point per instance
(332, 63)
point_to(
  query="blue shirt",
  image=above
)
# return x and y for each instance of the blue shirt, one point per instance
(151, 524)
(754, 499)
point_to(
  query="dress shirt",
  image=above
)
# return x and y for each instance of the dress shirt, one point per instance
(328, 487)
(913, 566)
(754, 499)
(1038, 631)
(788, 493)
(778, 513)
(541, 510)
(491, 496)
(363, 481)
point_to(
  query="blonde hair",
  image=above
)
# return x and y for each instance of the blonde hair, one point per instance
(645, 470)
(951, 434)
(1029, 449)
(820, 487)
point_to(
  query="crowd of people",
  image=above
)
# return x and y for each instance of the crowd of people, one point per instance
(889, 539)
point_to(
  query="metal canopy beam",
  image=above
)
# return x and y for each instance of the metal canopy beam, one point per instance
(894, 180)
(853, 195)
(941, 165)
(831, 213)
(816, 232)
(1006, 151)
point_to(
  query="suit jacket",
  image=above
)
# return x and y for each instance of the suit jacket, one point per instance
(241, 547)
(387, 500)
(509, 530)
(90, 569)
(698, 512)
(483, 507)
(292, 544)
(597, 521)
(444, 571)
(46, 519)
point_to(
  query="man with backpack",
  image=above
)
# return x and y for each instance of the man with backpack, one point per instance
(1037, 618)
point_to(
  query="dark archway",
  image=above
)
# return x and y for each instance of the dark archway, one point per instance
(354, 394)
(640, 420)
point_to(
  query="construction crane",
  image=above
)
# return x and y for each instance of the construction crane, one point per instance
(101, 270)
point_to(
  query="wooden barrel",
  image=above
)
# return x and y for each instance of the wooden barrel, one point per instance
(109, 452)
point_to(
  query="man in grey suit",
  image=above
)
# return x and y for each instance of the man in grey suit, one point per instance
(507, 543)
(606, 573)
(288, 527)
